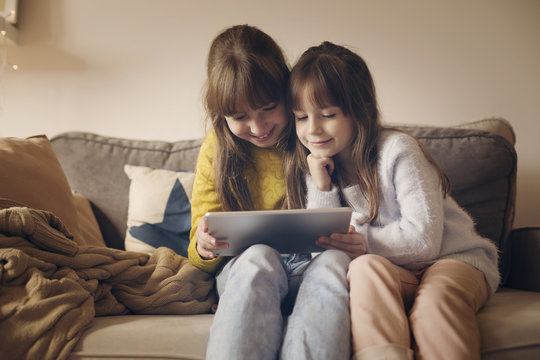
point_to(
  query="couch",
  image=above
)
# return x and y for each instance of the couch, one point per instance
(479, 158)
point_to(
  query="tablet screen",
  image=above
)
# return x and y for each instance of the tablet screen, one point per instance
(287, 231)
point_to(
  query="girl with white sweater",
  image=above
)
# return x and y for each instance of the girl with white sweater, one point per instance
(420, 270)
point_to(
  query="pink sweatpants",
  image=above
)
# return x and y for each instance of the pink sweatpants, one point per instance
(436, 305)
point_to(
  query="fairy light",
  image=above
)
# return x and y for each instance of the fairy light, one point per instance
(3, 45)
(4, 56)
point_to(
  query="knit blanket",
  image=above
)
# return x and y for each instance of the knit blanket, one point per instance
(51, 288)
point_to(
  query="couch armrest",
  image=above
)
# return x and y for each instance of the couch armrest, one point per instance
(525, 267)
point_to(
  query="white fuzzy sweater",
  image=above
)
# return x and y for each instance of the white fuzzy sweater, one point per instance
(416, 224)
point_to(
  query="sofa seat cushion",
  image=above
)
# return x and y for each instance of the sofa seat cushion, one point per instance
(145, 337)
(510, 325)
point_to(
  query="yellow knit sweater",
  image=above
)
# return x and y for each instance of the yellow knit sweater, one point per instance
(266, 185)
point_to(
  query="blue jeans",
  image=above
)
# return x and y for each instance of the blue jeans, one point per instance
(249, 323)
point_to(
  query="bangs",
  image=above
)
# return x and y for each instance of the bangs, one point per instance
(239, 86)
(309, 90)
(318, 83)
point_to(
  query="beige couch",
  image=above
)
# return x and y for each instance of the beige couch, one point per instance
(479, 158)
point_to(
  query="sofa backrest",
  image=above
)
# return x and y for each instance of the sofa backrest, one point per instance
(481, 166)
(94, 166)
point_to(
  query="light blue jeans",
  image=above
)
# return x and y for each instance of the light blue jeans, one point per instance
(249, 323)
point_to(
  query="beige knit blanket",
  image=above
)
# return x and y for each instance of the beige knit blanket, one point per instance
(51, 288)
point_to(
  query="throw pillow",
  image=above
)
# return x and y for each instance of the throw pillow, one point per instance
(159, 210)
(31, 174)
(88, 225)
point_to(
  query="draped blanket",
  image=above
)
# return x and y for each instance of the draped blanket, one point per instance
(51, 288)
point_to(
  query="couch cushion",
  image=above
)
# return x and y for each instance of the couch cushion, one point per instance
(510, 325)
(159, 212)
(482, 169)
(88, 225)
(496, 125)
(94, 166)
(31, 174)
(145, 337)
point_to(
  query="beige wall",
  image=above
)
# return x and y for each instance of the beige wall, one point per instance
(134, 68)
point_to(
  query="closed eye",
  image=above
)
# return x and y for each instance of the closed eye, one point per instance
(302, 117)
(329, 116)
(239, 117)
(270, 108)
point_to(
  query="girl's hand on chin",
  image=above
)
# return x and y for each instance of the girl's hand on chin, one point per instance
(320, 169)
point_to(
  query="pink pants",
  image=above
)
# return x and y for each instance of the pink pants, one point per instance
(436, 306)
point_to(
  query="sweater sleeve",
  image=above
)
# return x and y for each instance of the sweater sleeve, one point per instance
(204, 199)
(321, 199)
(409, 228)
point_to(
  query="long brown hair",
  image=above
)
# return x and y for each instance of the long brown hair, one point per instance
(245, 66)
(333, 75)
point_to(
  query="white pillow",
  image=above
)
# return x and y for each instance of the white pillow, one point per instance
(159, 212)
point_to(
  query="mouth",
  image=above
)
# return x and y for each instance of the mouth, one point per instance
(264, 137)
(320, 143)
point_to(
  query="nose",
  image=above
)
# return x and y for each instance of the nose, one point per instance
(313, 125)
(257, 125)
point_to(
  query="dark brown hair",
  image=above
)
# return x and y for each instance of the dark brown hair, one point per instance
(245, 66)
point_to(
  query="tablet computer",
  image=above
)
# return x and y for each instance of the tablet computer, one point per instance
(287, 231)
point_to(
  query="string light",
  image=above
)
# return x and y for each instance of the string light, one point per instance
(4, 57)
(3, 45)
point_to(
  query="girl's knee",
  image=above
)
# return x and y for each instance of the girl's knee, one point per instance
(257, 266)
(453, 281)
(333, 258)
(258, 251)
(327, 274)
(368, 263)
(374, 268)
(260, 254)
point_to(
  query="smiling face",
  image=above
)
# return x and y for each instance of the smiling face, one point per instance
(326, 131)
(262, 127)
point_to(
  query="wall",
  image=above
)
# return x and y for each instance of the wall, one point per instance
(134, 68)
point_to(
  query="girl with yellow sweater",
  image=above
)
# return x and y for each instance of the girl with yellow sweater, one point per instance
(240, 167)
